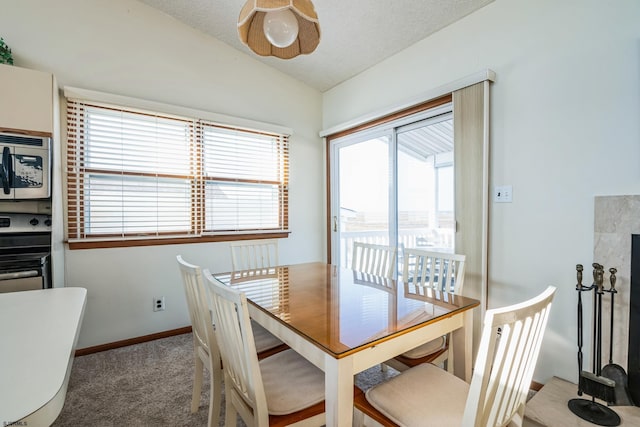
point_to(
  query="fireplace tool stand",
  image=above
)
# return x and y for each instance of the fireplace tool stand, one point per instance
(592, 383)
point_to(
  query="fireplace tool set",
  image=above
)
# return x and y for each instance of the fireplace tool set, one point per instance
(608, 383)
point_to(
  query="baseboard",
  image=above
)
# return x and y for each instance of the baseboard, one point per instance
(132, 341)
(536, 386)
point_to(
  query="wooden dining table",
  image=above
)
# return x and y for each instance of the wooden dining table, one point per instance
(345, 322)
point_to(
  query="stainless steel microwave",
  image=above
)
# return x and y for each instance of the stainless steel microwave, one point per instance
(25, 171)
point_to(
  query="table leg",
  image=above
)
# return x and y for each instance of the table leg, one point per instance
(339, 391)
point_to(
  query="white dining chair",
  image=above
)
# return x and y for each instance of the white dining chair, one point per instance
(205, 348)
(441, 271)
(379, 260)
(283, 389)
(254, 254)
(507, 356)
(249, 257)
(375, 261)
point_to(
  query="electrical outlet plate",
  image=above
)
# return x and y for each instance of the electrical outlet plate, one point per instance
(502, 193)
(158, 304)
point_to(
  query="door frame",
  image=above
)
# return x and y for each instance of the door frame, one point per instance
(388, 126)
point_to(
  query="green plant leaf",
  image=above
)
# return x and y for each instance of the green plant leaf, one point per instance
(5, 53)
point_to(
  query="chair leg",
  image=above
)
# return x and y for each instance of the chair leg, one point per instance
(358, 418)
(197, 384)
(448, 363)
(215, 395)
(230, 416)
(449, 360)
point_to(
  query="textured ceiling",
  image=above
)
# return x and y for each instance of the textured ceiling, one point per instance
(355, 34)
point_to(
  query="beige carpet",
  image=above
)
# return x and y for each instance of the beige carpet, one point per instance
(147, 384)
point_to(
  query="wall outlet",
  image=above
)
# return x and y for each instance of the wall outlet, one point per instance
(502, 193)
(158, 304)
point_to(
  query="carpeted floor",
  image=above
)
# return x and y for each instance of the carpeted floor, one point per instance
(147, 384)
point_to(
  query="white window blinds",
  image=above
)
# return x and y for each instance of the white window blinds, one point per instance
(243, 174)
(135, 175)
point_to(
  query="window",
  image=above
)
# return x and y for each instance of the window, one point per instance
(148, 178)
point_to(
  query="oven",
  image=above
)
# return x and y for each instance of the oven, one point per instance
(25, 169)
(25, 252)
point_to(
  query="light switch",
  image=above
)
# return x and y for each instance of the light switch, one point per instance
(502, 193)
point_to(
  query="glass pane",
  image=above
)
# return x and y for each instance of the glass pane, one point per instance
(117, 141)
(239, 206)
(247, 172)
(364, 195)
(236, 154)
(136, 205)
(425, 187)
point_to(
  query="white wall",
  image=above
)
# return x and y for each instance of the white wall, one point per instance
(565, 127)
(126, 48)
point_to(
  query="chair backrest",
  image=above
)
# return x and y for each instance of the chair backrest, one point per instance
(439, 270)
(238, 349)
(374, 259)
(201, 320)
(507, 356)
(249, 255)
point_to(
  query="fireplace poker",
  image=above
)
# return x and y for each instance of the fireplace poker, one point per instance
(598, 292)
(579, 288)
(594, 319)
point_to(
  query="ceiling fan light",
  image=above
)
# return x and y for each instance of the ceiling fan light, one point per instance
(280, 27)
(252, 32)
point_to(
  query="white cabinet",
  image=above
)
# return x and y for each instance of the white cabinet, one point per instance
(26, 100)
(29, 104)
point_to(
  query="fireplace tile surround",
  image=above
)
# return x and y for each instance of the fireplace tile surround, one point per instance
(616, 219)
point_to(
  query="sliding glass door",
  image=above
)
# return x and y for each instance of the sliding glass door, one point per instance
(362, 189)
(425, 191)
(393, 185)
(437, 197)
